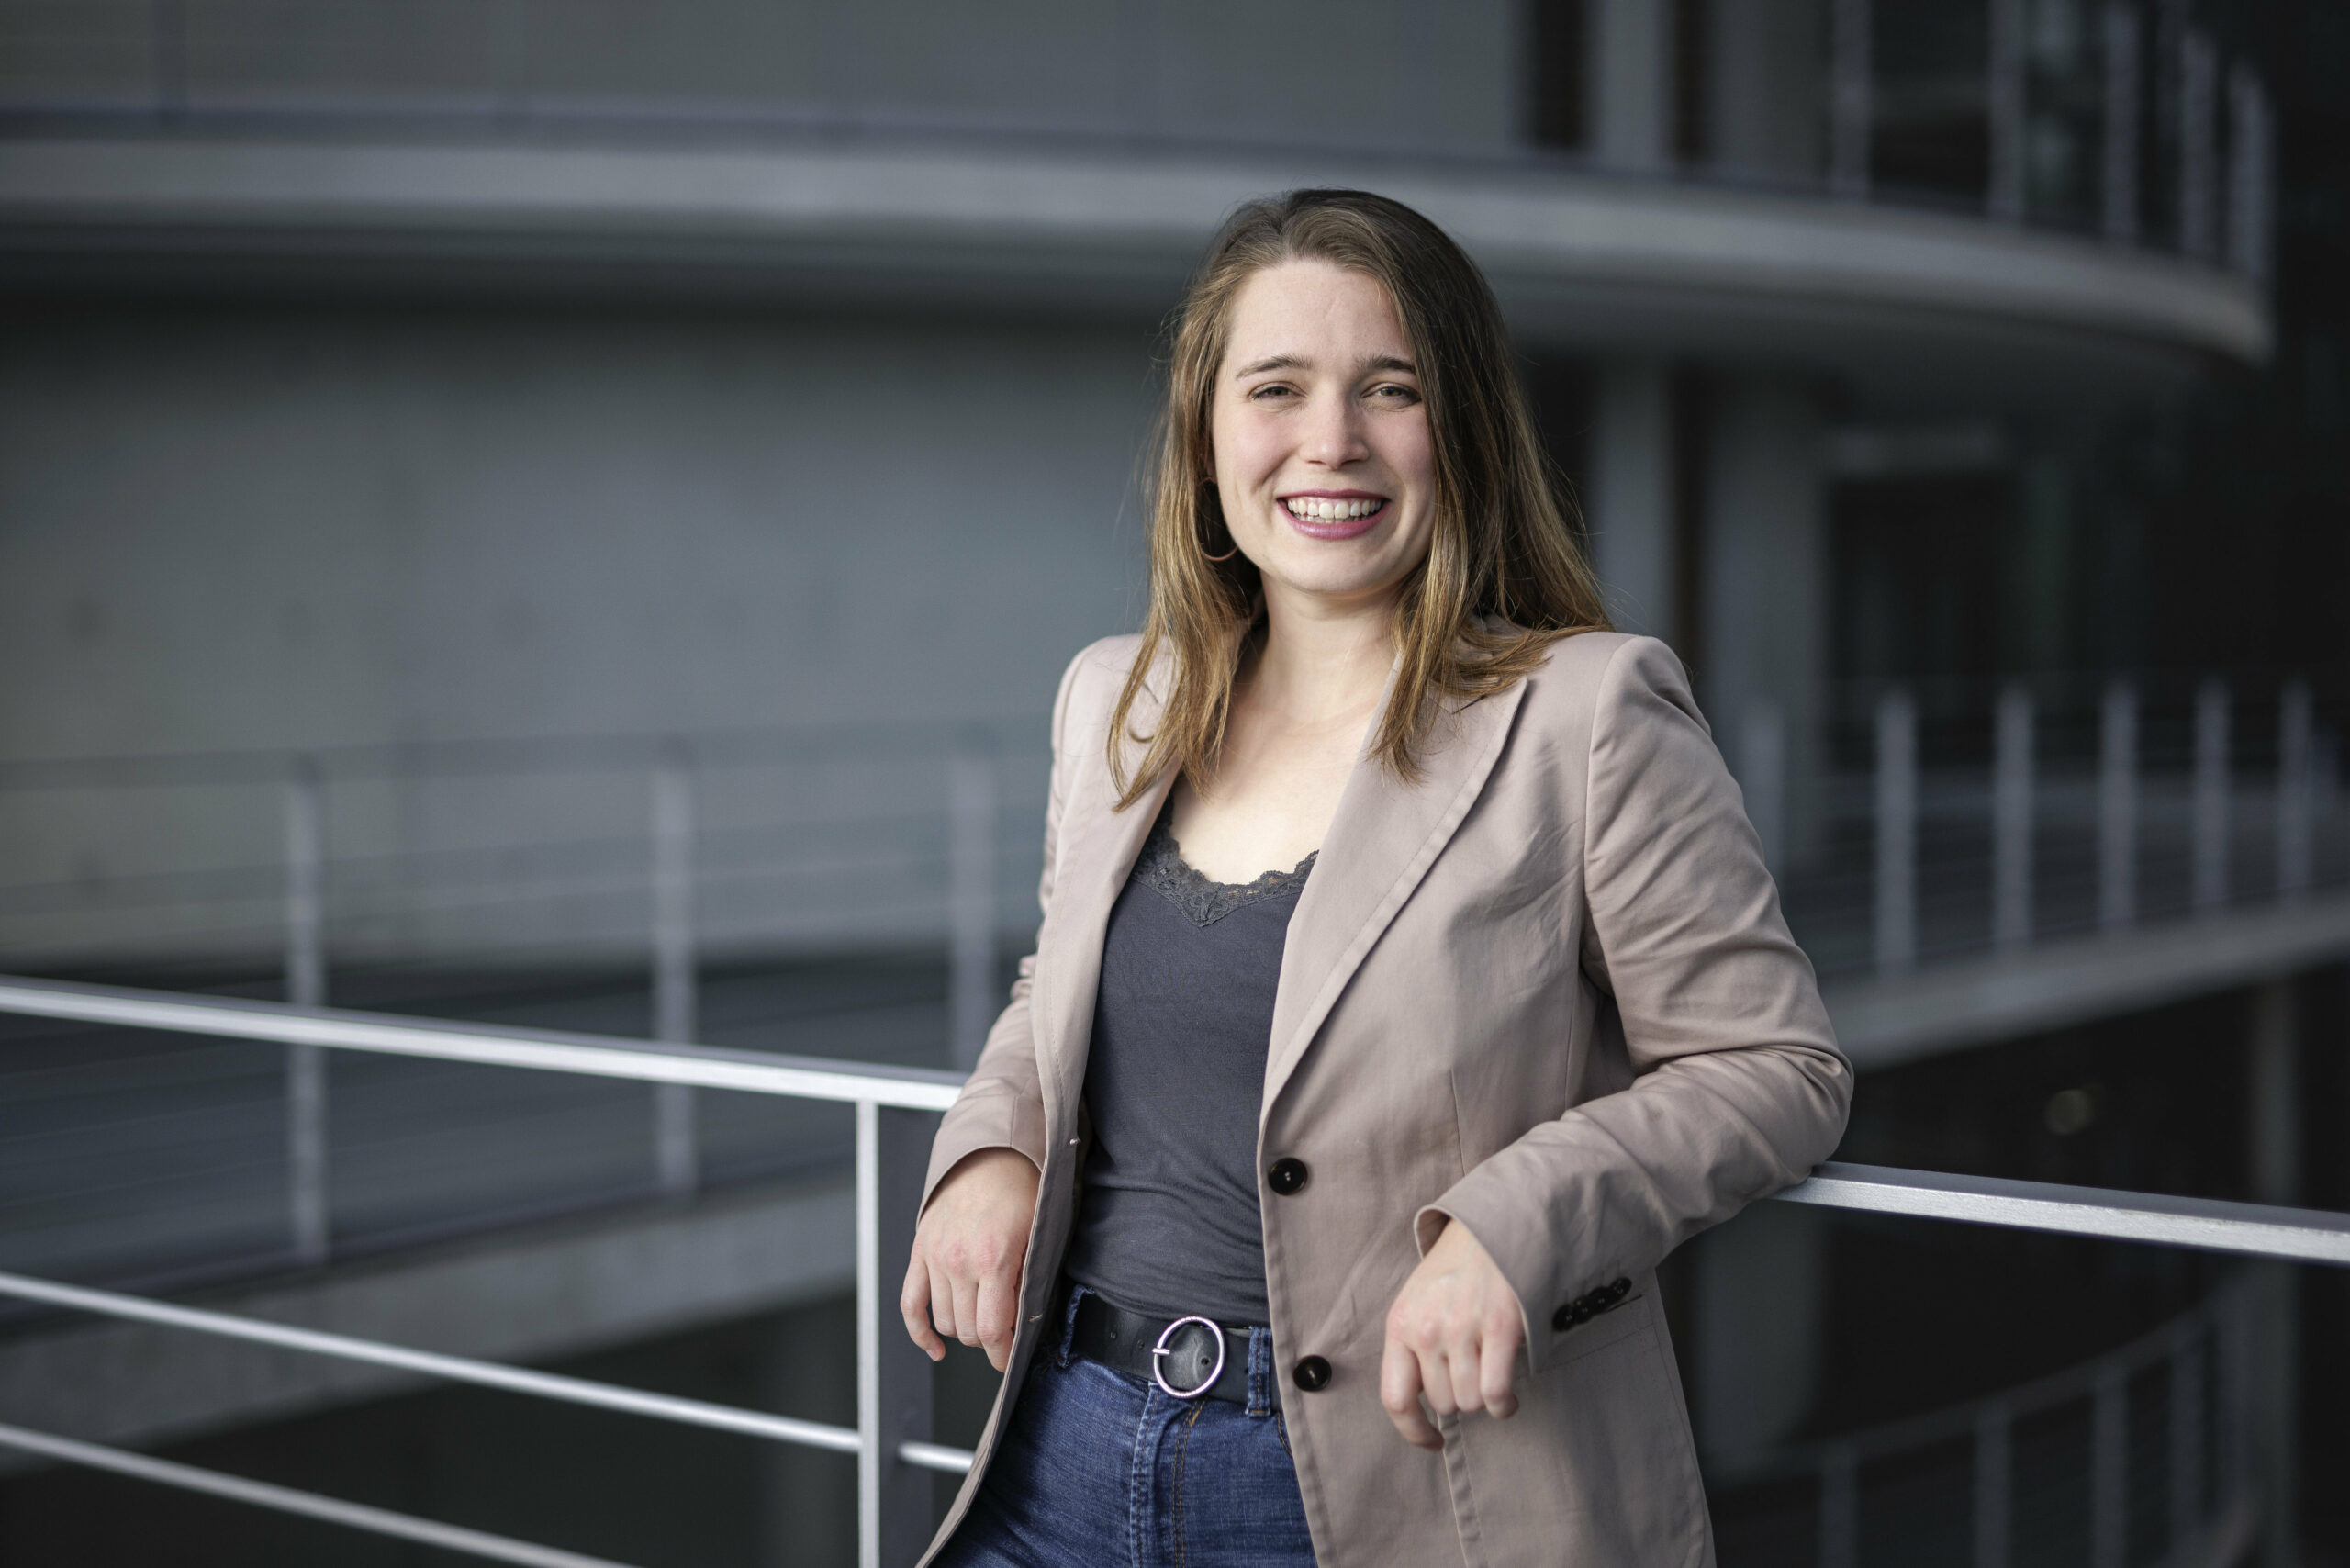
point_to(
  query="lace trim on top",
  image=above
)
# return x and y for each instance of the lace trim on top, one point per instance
(1161, 867)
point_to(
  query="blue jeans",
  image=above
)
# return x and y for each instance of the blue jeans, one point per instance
(1097, 1469)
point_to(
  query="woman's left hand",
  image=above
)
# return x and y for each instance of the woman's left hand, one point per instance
(1452, 1340)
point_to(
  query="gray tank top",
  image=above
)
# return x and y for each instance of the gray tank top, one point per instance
(1168, 1222)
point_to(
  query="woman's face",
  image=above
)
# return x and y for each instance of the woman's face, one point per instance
(1324, 460)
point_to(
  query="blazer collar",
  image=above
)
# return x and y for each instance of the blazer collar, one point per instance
(1096, 856)
(1382, 840)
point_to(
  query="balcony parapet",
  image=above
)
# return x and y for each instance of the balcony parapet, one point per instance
(1087, 225)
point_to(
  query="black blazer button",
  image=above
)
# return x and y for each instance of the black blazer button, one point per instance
(1287, 1176)
(1564, 1319)
(1619, 1290)
(1312, 1373)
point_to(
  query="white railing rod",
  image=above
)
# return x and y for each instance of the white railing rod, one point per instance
(457, 1368)
(870, 1416)
(286, 1500)
(938, 1457)
(2259, 1230)
(756, 1072)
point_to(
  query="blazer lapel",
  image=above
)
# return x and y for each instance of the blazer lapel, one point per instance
(1384, 837)
(1097, 854)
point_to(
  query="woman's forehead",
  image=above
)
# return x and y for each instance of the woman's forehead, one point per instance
(1305, 310)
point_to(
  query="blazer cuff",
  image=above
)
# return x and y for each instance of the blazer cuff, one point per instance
(1519, 1239)
(984, 1120)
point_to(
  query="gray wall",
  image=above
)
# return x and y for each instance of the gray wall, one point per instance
(1370, 73)
(224, 528)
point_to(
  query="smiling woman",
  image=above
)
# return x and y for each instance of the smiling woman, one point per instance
(1410, 983)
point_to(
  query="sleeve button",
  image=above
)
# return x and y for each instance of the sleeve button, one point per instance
(1287, 1176)
(1312, 1373)
(1564, 1319)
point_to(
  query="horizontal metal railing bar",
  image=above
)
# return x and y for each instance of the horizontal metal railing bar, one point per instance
(751, 746)
(483, 1045)
(2204, 1224)
(457, 1369)
(286, 1500)
(938, 1457)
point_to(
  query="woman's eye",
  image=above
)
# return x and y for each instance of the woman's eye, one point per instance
(1391, 393)
(1271, 393)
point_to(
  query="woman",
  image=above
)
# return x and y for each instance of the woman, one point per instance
(1410, 984)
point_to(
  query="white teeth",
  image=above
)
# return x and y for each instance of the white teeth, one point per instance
(1314, 508)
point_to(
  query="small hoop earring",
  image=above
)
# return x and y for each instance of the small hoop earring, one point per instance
(1228, 555)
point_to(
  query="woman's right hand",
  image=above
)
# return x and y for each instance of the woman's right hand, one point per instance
(964, 1273)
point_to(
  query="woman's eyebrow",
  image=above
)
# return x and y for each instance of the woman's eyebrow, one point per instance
(1298, 362)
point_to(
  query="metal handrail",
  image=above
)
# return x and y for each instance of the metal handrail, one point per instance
(308, 1504)
(486, 1045)
(2304, 1236)
(457, 1368)
(880, 1092)
(2201, 1224)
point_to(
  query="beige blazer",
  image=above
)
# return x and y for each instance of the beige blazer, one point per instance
(1546, 991)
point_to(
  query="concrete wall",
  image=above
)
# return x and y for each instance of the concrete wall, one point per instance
(227, 528)
(1373, 73)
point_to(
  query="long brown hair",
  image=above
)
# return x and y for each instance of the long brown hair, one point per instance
(1504, 575)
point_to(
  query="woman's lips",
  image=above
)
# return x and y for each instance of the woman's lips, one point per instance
(1336, 527)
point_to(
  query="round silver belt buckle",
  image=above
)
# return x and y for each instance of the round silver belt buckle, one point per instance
(1159, 1352)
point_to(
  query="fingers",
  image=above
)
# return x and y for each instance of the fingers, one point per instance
(997, 1314)
(1497, 1367)
(963, 1290)
(913, 1306)
(1399, 1390)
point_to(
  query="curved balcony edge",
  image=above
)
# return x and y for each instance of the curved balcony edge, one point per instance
(1570, 252)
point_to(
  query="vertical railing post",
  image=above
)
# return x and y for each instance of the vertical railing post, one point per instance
(305, 986)
(676, 1160)
(1896, 832)
(2011, 803)
(2117, 807)
(2210, 805)
(970, 899)
(2110, 1470)
(2274, 1366)
(2186, 1421)
(2233, 1428)
(1851, 112)
(893, 1390)
(2199, 150)
(2249, 218)
(2119, 179)
(1839, 1508)
(1762, 777)
(2005, 93)
(1993, 1487)
(2296, 799)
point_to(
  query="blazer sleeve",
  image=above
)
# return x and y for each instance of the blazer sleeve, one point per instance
(1003, 1103)
(1739, 1088)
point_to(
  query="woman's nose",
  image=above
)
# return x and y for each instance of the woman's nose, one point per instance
(1334, 437)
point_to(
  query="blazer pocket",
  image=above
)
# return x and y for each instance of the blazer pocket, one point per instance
(1618, 1323)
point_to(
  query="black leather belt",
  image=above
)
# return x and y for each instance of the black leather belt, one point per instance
(1188, 1358)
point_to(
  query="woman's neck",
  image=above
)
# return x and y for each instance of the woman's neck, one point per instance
(1322, 663)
